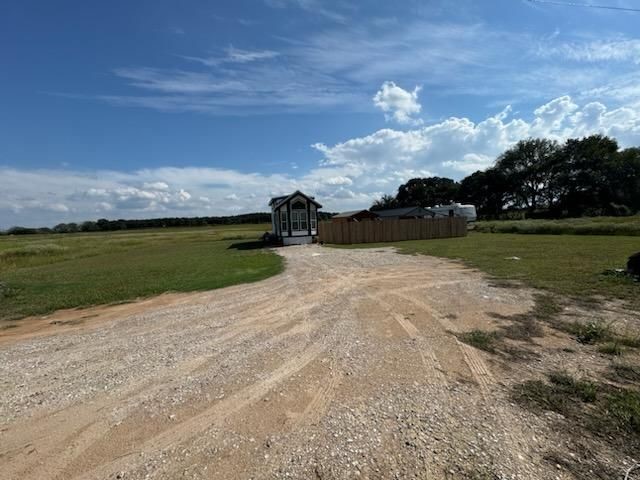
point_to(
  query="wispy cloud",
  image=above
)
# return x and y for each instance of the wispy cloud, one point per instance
(243, 56)
(234, 55)
(622, 50)
(315, 7)
(343, 68)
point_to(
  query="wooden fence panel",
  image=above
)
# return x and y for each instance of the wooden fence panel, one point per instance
(391, 230)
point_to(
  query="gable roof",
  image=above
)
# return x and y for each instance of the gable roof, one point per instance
(277, 199)
(403, 212)
(352, 213)
(275, 202)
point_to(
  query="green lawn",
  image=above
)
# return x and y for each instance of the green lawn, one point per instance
(43, 273)
(573, 226)
(566, 264)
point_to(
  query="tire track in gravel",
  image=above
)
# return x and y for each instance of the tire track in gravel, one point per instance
(428, 357)
(212, 416)
(320, 401)
(298, 326)
(133, 393)
(250, 361)
(476, 364)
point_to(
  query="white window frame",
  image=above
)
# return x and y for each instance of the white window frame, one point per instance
(283, 222)
(314, 220)
(302, 214)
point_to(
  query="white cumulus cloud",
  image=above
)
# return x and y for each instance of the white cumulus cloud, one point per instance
(398, 104)
(348, 175)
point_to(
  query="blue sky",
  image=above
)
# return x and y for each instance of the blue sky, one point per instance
(127, 109)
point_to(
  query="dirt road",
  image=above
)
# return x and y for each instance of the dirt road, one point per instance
(344, 366)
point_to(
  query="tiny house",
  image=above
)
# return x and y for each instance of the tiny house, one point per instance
(294, 218)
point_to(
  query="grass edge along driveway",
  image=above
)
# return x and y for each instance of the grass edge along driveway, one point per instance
(109, 268)
(577, 266)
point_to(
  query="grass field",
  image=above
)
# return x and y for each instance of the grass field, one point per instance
(572, 226)
(43, 273)
(572, 265)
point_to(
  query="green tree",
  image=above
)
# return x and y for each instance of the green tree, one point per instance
(427, 192)
(487, 190)
(385, 202)
(527, 168)
(584, 175)
(89, 226)
(624, 180)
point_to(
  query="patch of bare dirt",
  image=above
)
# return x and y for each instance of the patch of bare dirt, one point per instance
(347, 365)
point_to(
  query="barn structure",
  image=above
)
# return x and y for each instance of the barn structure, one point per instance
(402, 213)
(294, 218)
(354, 216)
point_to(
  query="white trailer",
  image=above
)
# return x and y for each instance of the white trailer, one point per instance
(455, 210)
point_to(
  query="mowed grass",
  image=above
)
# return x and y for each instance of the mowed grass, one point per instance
(43, 273)
(573, 265)
(569, 226)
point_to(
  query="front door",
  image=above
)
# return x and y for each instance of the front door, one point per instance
(299, 222)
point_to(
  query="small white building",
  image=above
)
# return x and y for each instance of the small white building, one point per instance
(294, 218)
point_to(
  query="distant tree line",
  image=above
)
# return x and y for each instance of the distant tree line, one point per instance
(539, 178)
(104, 225)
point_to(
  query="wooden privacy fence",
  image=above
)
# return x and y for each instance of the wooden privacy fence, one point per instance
(370, 231)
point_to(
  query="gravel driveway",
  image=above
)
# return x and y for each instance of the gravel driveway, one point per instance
(344, 366)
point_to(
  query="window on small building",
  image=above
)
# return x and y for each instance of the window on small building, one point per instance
(314, 220)
(303, 220)
(295, 224)
(283, 222)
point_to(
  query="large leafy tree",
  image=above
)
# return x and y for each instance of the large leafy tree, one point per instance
(527, 167)
(487, 190)
(624, 179)
(584, 175)
(427, 192)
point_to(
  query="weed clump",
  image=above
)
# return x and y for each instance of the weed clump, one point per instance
(610, 348)
(610, 413)
(480, 339)
(591, 332)
(624, 408)
(624, 373)
(566, 384)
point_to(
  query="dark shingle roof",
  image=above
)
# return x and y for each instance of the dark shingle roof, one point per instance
(402, 212)
(277, 200)
(348, 214)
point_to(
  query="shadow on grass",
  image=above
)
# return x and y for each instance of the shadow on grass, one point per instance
(250, 245)
(610, 413)
(520, 328)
